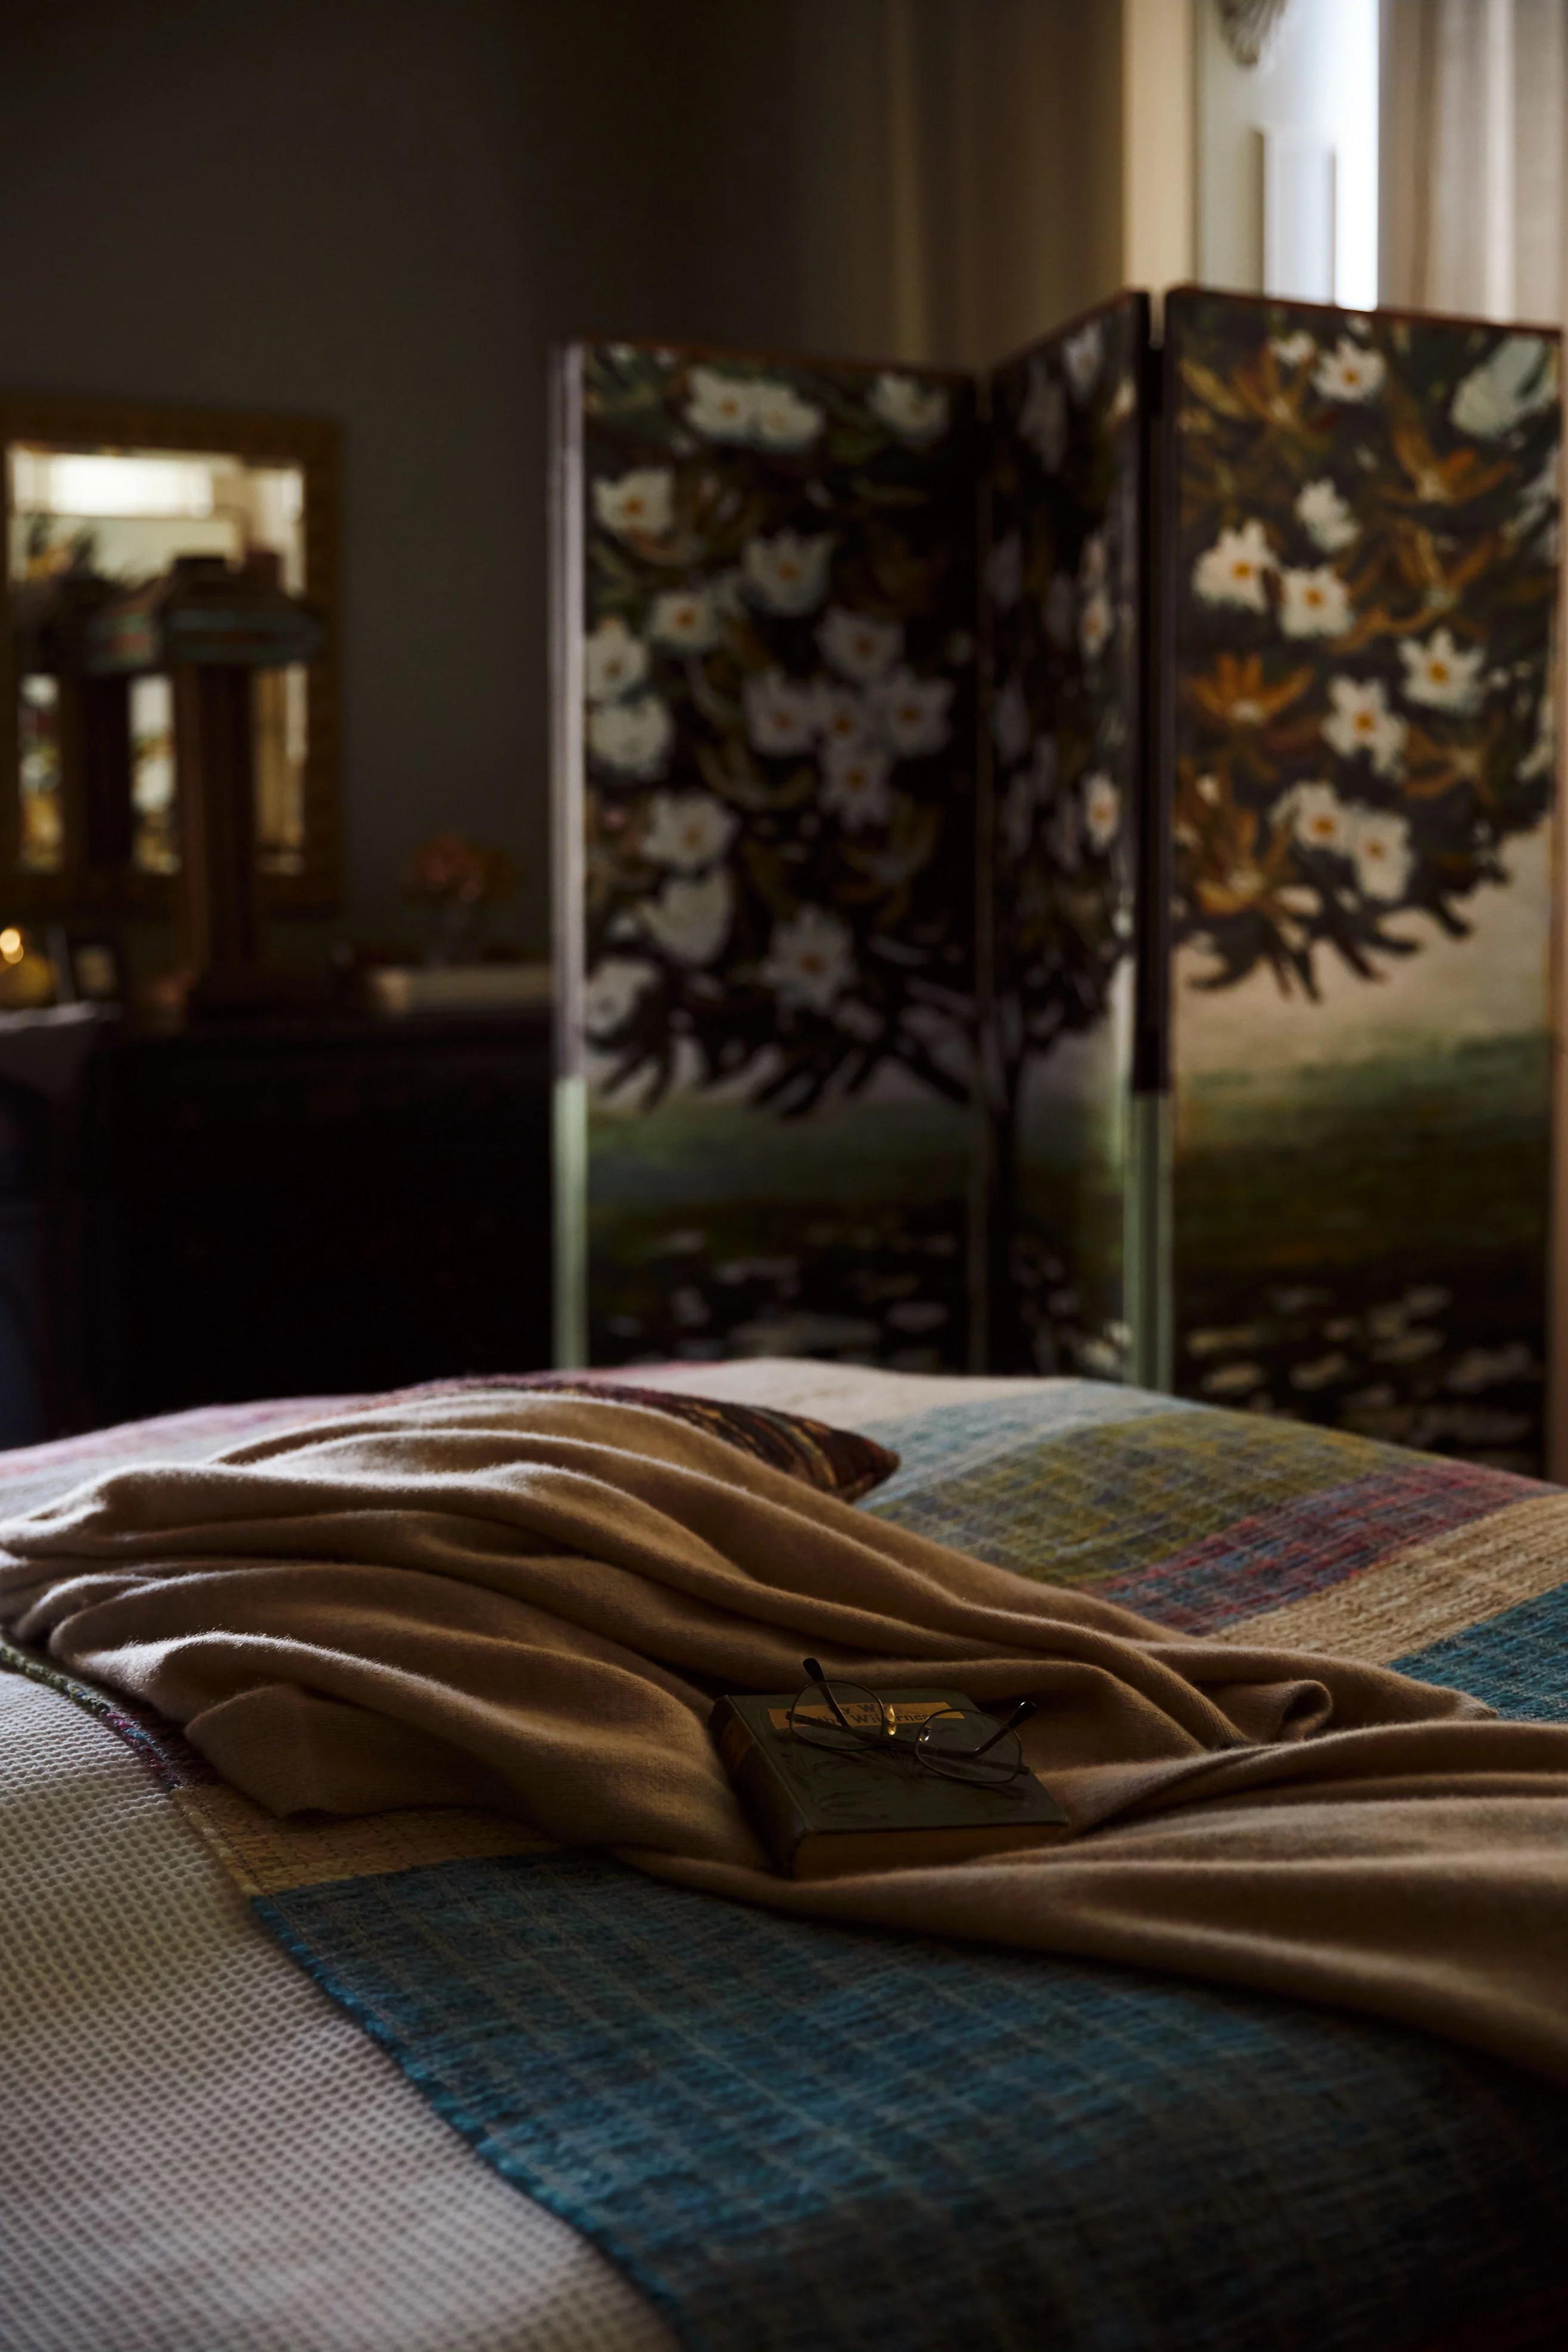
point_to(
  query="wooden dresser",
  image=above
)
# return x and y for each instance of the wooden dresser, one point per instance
(206, 1214)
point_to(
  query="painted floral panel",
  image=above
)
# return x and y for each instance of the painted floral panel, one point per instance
(1063, 600)
(1364, 546)
(777, 662)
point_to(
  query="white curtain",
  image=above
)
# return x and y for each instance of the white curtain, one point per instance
(1475, 188)
(1476, 109)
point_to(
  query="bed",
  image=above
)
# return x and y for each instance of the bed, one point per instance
(417, 2085)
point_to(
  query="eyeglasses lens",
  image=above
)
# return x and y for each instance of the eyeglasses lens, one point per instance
(838, 1715)
(965, 1747)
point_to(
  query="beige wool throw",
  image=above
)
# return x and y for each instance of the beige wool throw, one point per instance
(529, 1602)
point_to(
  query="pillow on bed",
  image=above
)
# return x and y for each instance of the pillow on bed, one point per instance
(839, 1461)
(1218, 1523)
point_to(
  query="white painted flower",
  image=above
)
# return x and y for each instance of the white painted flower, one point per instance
(780, 419)
(1102, 809)
(632, 738)
(781, 713)
(1319, 818)
(1233, 571)
(857, 646)
(1441, 675)
(1004, 572)
(916, 412)
(1095, 623)
(809, 960)
(684, 620)
(1360, 720)
(613, 661)
(690, 918)
(787, 573)
(1380, 848)
(1314, 604)
(1293, 350)
(722, 408)
(843, 716)
(611, 991)
(1327, 518)
(1060, 610)
(1081, 357)
(913, 712)
(855, 783)
(1515, 380)
(1350, 372)
(1042, 419)
(638, 505)
(1009, 722)
(688, 830)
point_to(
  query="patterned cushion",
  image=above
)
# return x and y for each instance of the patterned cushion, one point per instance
(838, 1461)
(1213, 1522)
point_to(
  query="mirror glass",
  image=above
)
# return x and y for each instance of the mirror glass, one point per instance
(124, 515)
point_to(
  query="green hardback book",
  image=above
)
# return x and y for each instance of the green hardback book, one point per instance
(822, 1814)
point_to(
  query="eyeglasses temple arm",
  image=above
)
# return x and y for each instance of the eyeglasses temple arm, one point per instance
(1021, 1714)
(814, 1674)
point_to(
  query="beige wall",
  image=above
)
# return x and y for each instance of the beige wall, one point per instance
(387, 211)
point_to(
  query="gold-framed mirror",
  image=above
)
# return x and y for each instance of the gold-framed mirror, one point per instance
(102, 495)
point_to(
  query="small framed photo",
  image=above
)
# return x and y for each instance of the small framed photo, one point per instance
(96, 968)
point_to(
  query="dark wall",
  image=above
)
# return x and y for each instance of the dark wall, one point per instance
(385, 211)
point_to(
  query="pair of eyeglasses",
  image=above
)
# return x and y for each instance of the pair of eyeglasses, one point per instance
(960, 1743)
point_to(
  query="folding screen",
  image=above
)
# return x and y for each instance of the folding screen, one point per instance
(1260, 633)
(1362, 545)
(1064, 592)
(767, 809)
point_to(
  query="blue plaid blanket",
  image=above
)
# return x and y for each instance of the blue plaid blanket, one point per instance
(790, 2135)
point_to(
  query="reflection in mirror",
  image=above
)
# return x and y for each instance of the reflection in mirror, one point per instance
(83, 521)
